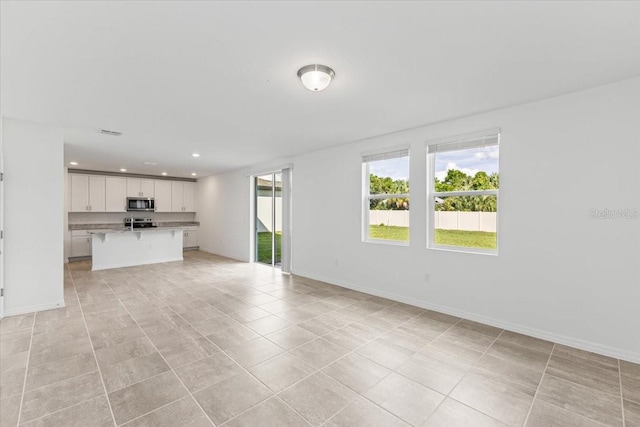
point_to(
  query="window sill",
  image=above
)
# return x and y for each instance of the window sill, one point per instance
(465, 250)
(387, 242)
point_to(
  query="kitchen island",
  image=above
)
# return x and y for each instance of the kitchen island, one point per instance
(124, 247)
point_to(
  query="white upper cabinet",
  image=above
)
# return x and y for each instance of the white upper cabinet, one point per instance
(116, 194)
(87, 193)
(79, 193)
(97, 193)
(177, 196)
(189, 194)
(137, 187)
(183, 196)
(147, 188)
(163, 196)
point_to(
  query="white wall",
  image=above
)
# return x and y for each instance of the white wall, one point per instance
(224, 212)
(559, 275)
(34, 216)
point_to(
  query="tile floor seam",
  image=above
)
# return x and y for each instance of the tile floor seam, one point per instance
(241, 367)
(471, 366)
(580, 385)
(621, 395)
(95, 358)
(398, 373)
(137, 382)
(391, 370)
(544, 372)
(26, 370)
(585, 386)
(158, 408)
(163, 358)
(368, 400)
(343, 356)
(63, 409)
(292, 385)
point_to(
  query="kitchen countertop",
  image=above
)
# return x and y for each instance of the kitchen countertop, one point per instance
(119, 230)
(119, 226)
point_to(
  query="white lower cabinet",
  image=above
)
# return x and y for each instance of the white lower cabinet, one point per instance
(80, 243)
(190, 238)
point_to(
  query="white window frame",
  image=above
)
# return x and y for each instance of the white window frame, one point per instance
(461, 142)
(388, 153)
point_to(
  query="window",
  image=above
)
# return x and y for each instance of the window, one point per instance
(463, 193)
(386, 197)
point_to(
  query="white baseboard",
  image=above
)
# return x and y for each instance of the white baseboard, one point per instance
(33, 308)
(514, 327)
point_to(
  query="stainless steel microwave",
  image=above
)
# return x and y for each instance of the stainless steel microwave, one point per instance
(141, 204)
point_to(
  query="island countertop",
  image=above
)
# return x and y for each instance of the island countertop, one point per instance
(118, 225)
(118, 230)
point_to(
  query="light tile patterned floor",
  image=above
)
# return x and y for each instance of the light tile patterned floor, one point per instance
(213, 341)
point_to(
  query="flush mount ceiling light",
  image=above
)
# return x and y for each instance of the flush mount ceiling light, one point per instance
(123, 170)
(195, 154)
(316, 77)
(73, 163)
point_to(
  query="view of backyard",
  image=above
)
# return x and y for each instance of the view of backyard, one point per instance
(464, 194)
(472, 239)
(264, 246)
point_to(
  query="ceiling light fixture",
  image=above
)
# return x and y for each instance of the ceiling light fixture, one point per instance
(193, 174)
(316, 77)
(123, 170)
(73, 163)
(164, 173)
(195, 155)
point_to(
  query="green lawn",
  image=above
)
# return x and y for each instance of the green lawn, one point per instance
(389, 232)
(264, 247)
(469, 239)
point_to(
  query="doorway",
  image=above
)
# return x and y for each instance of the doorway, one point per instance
(272, 215)
(268, 220)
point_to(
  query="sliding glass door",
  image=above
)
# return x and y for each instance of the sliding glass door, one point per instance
(268, 220)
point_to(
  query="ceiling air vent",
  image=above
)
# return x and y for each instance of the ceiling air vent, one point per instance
(110, 132)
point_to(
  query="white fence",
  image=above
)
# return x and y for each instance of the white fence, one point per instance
(397, 218)
(447, 220)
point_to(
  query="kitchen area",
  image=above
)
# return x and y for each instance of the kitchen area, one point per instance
(120, 219)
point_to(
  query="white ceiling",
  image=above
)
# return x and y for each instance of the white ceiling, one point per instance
(219, 78)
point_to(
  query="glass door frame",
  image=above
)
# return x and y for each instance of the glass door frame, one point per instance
(274, 240)
(285, 175)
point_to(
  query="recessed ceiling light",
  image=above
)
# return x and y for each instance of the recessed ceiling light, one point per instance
(73, 163)
(123, 170)
(316, 77)
(164, 173)
(193, 174)
(195, 155)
